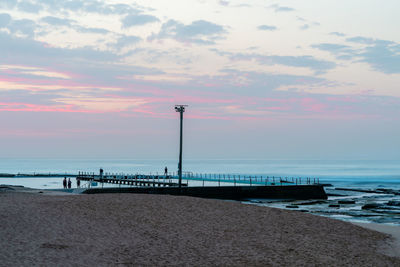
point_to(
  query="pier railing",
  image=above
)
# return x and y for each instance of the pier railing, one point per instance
(195, 179)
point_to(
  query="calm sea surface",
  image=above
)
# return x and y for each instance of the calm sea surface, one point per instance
(360, 173)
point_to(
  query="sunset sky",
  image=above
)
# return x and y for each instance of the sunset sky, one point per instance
(287, 79)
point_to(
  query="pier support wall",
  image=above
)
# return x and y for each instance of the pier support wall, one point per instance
(227, 192)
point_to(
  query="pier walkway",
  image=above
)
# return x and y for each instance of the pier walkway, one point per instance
(234, 187)
(171, 179)
(132, 180)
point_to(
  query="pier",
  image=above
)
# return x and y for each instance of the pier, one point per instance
(131, 180)
(220, 186)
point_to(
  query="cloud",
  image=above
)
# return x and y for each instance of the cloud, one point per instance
(232, 81)
(92, 65)
(304, 27)
(227, 3)
(381, 55)
(38, 51)
(25, 27)
(137, 20)
(54, 21)
(361, 40)
(278, 8)
(317, 65)
(108, 9)
(4, 19)
(8, 3)
(266, 28)
(199, 32)
(91, 30)
(126, 40)
(333, 48)
(92, 6)
(339, 50)
(57, 21)
(337, 34)
(29, 7)
(72, 5)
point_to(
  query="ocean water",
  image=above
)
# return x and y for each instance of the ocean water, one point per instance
(351, 174)
(360, 173)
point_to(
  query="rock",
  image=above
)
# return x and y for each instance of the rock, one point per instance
(292, 206)
(393, 203)
(347, 202)
(371, 206)
(312, 202)
(386, 211)
(335, 195)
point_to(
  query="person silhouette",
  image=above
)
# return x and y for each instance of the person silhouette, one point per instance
(166, 171)
(69, 183)
(65, 182)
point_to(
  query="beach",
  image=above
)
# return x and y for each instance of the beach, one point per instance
(56, 229)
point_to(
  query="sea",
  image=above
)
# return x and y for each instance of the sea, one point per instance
(359, 191)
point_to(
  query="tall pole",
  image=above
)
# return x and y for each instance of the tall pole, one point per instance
(180, 152)
(180, 109)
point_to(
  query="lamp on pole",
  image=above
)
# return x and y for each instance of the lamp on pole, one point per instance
(180, 109)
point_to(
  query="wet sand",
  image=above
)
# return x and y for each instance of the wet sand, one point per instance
(130, 229)
(392, 247)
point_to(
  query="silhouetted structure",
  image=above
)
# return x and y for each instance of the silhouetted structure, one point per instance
(180, 109)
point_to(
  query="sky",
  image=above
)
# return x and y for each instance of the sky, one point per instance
(290, 79)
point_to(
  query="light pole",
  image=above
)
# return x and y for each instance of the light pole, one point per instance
(180, 109)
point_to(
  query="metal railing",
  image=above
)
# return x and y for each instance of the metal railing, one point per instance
(205, 179)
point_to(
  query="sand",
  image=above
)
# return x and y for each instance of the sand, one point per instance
(392, 247)
(141, 230)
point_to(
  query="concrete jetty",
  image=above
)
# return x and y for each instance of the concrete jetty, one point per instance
(227, 192)
(234, 188)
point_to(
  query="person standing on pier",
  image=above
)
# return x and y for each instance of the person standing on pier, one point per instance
(69, 183)
(166, 171)
(65, 182)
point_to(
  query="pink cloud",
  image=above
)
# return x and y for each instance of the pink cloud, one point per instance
(40, 108)
(311, 104)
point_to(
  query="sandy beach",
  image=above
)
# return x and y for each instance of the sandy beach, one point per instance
(53, 229)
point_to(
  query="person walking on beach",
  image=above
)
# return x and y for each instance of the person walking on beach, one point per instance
(166, 171)
(65, 182)
(69, 183)
(78, 182)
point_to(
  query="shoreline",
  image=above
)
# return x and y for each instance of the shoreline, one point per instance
(392, 247)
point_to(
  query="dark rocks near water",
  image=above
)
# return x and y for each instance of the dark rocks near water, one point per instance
(6, 188)
(302, 210)
(393, 203)
(315, 202)
(376, 191)
(347, 202)
(371, 206)
(6, 175)
(388, 191)
(292, 206)
(335, 195)
(383, 208)
(352, 213)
